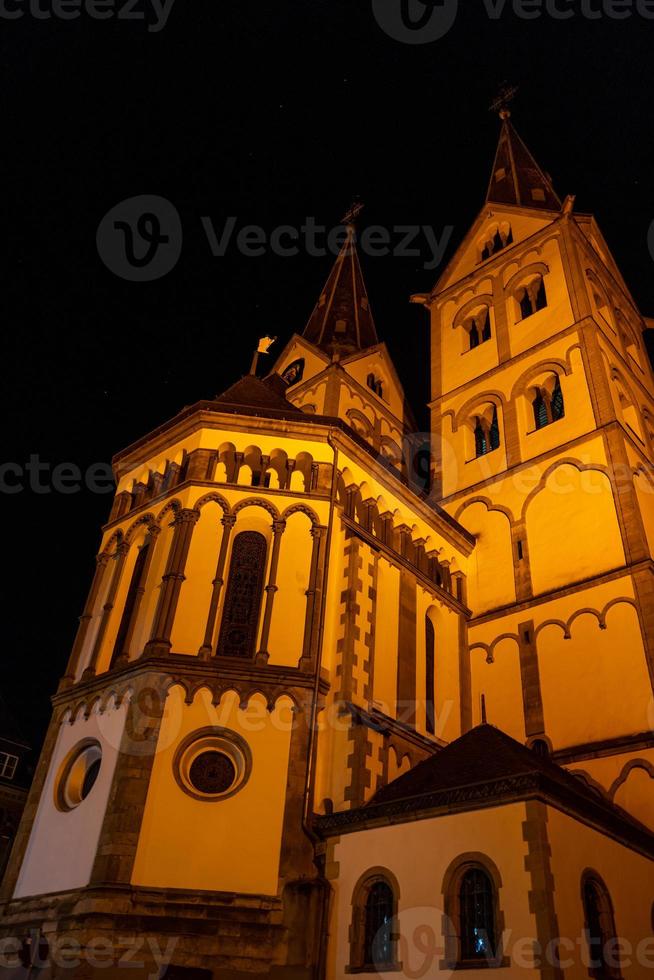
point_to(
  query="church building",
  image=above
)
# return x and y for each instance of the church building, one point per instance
(319, 720)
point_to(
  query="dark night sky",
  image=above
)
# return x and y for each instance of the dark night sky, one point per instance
(270, 112)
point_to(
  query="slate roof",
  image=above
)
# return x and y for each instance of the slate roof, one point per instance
(342, 319)
(486, 767)
(267, 394)
(517, 178)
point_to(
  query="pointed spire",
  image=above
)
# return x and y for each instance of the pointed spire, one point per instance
(342, 319)
(517, 178)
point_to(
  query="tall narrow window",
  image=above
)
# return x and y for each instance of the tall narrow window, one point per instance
(238, 633)
(541, 296)
(540, 410)
(429, 679)
(486, 329)
(494, 431)
(600, 929)
(481, 439)
(378, 938)
(135, 586)
(556, 401)
(474, 335)
(524, 299)
(477, 916)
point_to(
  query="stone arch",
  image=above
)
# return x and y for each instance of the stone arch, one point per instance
(146, 520)
(532, 269)
(172, 506)
(627, 769)
(212, 498)
(552, 365)
(301, 509)
(266, 505)
(496, 398)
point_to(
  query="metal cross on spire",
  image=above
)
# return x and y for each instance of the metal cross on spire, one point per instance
(505, 97)
(351, 215)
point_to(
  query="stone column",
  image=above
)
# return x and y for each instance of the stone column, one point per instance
(314, 597)
(521, 566)
(271, 588)
(171, 584)
(532, 699)
(501, 320)
(84, 622)
(119, 558)
(150, 543)
(228, 522)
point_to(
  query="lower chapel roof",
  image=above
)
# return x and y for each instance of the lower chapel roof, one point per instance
(486, 767)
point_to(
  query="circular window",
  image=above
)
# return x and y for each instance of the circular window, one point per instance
(78, 775)
(212, 764)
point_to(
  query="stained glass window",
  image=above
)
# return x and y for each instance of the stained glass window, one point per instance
(556, 404)
(238, 633)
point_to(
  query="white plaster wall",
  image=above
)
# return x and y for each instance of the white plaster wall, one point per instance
(62, 845)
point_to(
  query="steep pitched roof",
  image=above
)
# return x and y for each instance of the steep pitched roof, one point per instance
(342, 319)
(516, 177)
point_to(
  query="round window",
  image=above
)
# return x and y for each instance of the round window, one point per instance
(212, 764)
(78, 775)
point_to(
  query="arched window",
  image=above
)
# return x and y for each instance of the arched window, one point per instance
(375, 384)
(556, 401)
(378, 942)
(487, 433)
(136, 586)
(531, 297)
(494, 431)
(478, 328)
(481, 439)
(477, 916)
(501, 238)
(486, 328)
(600, 929)
(373, 937)
(547, 404)
(429, 678)
(540, 410)
(240, 620)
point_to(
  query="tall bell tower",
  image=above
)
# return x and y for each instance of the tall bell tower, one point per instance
(542, 408)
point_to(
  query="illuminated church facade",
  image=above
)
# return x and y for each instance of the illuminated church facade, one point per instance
(318, 721)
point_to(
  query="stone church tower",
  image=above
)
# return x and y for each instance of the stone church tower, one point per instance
(283, 635)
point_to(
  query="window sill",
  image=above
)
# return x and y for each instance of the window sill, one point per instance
(475, 459)
(377, 969)
(493, 964)
(530, 432)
